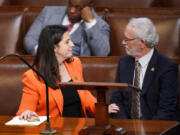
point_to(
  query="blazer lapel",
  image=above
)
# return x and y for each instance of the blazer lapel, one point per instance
(75, 76)
(77, 35)
(57, 95)
(150, 72)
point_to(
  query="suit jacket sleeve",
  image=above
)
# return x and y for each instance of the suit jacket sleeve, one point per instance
(98, 37)
(118, 98)
(32, 36)
(30, 95)
(168, 85)
(90, 100)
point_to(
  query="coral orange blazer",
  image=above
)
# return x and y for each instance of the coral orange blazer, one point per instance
(34, 93)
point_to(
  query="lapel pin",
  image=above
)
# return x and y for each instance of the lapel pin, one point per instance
(152, 69)
(75, 77)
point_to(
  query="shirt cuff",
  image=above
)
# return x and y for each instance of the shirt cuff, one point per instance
(90, 24)
(35, 49)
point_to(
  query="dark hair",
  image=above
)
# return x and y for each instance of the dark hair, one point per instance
(91, 2)
(45, 60)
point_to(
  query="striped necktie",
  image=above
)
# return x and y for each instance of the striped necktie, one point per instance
(135, 105)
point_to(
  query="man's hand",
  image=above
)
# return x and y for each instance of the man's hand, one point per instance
(29, 116)
(86, 14)
(113, 108)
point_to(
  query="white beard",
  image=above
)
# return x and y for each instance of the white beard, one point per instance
(132, 51)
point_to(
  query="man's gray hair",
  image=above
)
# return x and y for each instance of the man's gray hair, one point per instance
(146, 30)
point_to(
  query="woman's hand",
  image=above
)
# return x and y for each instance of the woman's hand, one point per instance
(29, 115)
(113, 108)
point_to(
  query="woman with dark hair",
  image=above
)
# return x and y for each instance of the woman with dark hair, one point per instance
(55, 62)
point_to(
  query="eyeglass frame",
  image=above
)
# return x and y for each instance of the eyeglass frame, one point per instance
(125, 39)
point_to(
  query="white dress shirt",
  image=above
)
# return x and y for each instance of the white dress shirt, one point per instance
(76, 25)
(144, 61)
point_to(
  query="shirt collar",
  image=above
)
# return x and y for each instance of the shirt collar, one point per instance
(146, 58)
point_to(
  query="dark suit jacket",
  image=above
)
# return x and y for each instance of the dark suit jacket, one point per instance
(159, 96)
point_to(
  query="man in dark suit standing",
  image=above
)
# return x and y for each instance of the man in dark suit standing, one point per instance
(157, 76)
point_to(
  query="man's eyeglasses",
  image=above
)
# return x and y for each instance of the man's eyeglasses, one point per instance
(125, 39)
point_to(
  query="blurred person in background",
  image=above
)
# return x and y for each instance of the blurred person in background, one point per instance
(88, 31)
